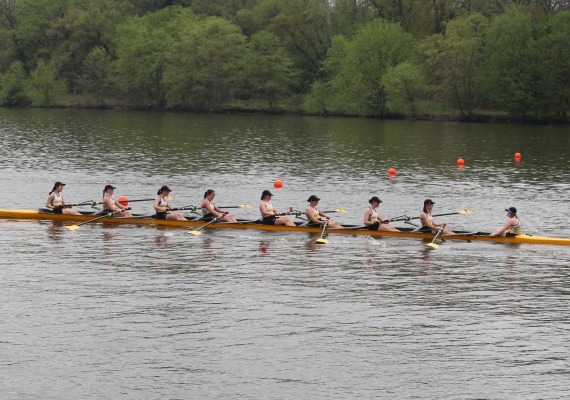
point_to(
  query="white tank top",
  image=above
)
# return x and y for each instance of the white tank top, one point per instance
(57, 200)
(105, 204)
(374, 216)
(268, 208)
(205, 211)
(316, 212)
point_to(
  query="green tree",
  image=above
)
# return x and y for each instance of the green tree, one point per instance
(404, 85)
(142, 45)
(510, 74)
(13, 85)
(553, 55)
(205, 67)
(269, 69)
(43, 87)
(356, 67)
(97, 74)
(453, 61)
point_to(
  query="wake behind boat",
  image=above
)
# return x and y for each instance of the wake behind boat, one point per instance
(47, 214)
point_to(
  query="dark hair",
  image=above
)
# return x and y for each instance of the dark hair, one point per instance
(164, 189)
(375, 199)
(208, 192)
(266, 193)
(107, 187)
(426, 202)
(55, 186)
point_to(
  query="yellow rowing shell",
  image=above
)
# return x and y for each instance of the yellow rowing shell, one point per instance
(347, 230)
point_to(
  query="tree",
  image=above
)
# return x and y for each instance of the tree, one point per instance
(142, 45)
(356, 67)
(43, 87)
(97, 74)
(13, 85)
(269, 69)
(510, 74)
(453, 61)
(404, 85)
(204, 68)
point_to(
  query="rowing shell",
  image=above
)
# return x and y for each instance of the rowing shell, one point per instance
(44, 214)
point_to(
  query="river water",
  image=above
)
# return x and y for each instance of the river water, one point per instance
(108, 312)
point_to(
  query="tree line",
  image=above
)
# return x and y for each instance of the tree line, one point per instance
(379, 58)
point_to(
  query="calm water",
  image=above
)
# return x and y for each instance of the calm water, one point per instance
(146, 313)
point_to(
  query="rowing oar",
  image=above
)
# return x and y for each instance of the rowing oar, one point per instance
(238, 206)
(406, 218)
(134, 201)
(338, 210)
(197, 232)
(321, 240)
(107, 215)
(433, 244)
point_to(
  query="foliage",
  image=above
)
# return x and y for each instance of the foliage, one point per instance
(356, 67)
(44, 89)
(269, 68)
(452, 61)
(204, 67)
(97, 73)
(404, 85)
(365, 57)
(13, 85)
(511, 63)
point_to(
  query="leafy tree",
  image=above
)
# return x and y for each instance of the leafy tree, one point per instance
(204, 67)
(356, 67)
(453, 61)
(269, 69)
(13, 85)
(97, 74)
(553, 55)
(404, 85)
(43, 87)
(510, 74)
(142, 45)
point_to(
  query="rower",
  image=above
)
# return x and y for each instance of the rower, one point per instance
(56, 203)
(513, 226)
(162, 206)
(315, 216)
(269, 213)
(372, 218)
(113, 205)
(211, 211)
(428, 224)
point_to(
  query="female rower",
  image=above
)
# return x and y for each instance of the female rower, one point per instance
(427, 220)
(56, 203)
(210, 211)
(269, 213)
(110, 204)
(163, 208)
(314, 214)
(373, 220)
(512, 227)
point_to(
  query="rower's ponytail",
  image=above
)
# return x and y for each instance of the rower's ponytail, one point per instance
(53, 190)
(208, 192)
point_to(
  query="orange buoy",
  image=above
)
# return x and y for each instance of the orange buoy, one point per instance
(460, 162)
(392, 172)
(517, 156)
(123, 200)
(278, 184)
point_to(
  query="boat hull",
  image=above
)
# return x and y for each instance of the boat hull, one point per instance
(348, 230)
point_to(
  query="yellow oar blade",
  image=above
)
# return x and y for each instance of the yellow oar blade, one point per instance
(465, 212)
(434, 245)
(72, 227)
(195, 233)
(340, 210)
(322, 241)
(244, 206)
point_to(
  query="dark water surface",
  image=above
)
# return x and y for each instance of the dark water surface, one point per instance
(108, 312)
